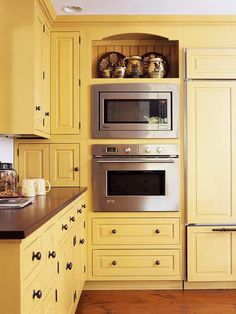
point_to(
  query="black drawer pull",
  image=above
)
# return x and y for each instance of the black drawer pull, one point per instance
(114, 263)
(64, 227)
(37, 294)
(114, 231)
(158, 262)
(38, 108)
(76, 169)
(47, 113)
(72, 218)
(81, 241)
(157, 231)
(36, 256)
(79, 211)
(69, 265)
(52, 254)
(224, 229)
(84, 206)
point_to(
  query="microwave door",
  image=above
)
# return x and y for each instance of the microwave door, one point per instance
(135, 111)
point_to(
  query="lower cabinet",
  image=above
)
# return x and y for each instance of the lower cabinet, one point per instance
(136, 249)
(211, 253)
(45, 272)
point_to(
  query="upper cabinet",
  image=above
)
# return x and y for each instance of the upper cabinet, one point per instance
(211, 63)
(65, 83)
(25, 70)
(109, 53)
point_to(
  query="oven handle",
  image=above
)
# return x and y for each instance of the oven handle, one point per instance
(141, 160)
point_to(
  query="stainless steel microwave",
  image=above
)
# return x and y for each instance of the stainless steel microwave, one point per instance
(135, 110)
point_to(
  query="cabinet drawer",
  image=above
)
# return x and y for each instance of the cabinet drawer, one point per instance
(136, 263)
(32, 257)
(136, 231)
(211, 63)
(33, 295)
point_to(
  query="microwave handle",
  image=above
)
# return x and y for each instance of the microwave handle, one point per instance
(141, 160)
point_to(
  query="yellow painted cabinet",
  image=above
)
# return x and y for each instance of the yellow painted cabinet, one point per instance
(65, 83)
(64, 164)
(205, 63)
(212, 253)
(211, 151)
(25, 70)
(58, 163)
(33, 161)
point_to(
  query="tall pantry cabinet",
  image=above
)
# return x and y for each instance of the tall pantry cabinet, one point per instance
(211, 164)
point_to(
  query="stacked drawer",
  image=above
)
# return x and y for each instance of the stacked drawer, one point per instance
(131, 247)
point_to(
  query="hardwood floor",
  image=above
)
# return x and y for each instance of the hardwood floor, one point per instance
(158, 302)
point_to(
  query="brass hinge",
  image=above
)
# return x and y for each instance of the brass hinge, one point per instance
(44, 28)
(44, 75)
(79, 40)
(18, 178)
(84, 269)
(17, 152)
(58, 269)
(79, 82)
(79, 125)
(84, 224)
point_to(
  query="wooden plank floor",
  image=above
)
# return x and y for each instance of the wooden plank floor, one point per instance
(158, 302)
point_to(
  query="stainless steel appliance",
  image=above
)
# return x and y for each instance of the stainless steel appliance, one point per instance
(135, 110)
(135, 178)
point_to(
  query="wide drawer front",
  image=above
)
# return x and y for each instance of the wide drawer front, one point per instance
(137, 231)
(211, 63)
(136, 263)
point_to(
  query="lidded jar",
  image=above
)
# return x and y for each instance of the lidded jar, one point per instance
(8, 177)
(134, 67)
(156, 67)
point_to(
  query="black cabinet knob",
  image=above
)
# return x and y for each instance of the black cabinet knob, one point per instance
(36, 256)
(76, 169)
(38, 108)
(81, 241)
(64, 227)
(47, 114)
(114, 263)
(79, 211)
(69, 265)
(84, 206)
(158, 262)
(72, 218)
(114, 231)
(37, 294)
(157, 231)
(52, 254)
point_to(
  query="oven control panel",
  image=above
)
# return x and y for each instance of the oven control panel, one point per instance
(136, 150)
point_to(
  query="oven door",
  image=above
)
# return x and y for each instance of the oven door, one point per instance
(135, 111)
(135, 184)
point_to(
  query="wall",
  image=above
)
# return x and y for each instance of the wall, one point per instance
(6, 149)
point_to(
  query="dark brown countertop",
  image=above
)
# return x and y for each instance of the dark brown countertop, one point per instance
(19, 223)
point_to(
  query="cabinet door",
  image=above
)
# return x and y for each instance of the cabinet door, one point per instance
(65, 83)
(64, 164)
(39, 27)
(211, 254)
(46, 79)
(33, 161)
(211, 151)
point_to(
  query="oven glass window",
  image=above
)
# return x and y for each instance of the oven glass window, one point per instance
(150, 111)
(136, 182)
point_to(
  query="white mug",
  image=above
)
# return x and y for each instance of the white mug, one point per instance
(40, 186)
(28, 187)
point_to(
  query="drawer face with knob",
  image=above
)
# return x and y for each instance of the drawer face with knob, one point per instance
(130, 263)
(138, 231)
(32, 257)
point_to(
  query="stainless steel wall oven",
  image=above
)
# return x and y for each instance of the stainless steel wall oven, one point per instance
(135, 110)
(135, 178)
